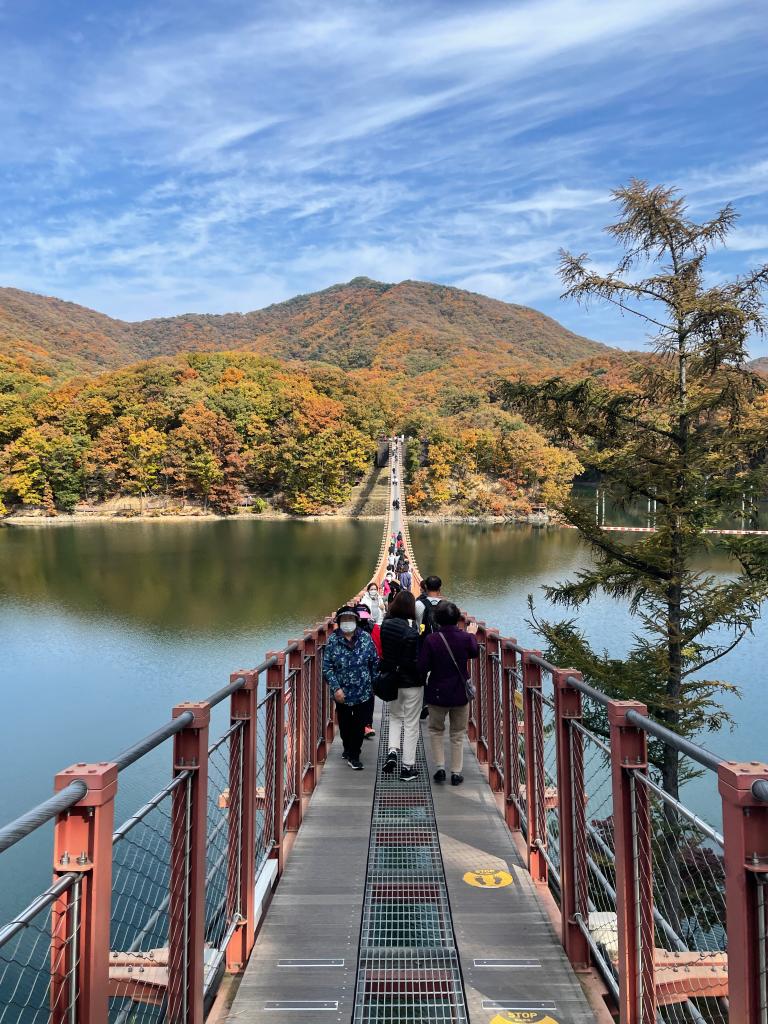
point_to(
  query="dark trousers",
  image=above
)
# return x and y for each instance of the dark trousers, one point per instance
(352, 719)
(370, 705)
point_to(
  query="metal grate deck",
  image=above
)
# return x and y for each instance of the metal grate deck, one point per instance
(408, 967)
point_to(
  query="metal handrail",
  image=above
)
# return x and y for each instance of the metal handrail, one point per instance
(26, 823)
(695, 751)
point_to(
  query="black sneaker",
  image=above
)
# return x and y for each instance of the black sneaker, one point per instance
(408, 774)
(439, 775)
(354, 764)
(456, 779)
(391, 762)
(344, 755)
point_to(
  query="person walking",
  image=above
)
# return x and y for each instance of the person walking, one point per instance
(394, 590)
(427, 602)
(367, 624)
(406, 579)
(443, 660)
(349, 665)
(399, 640)
(373, 600)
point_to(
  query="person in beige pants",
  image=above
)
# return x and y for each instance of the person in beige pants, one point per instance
(443, 660)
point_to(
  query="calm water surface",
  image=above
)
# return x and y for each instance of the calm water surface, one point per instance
(103, 627)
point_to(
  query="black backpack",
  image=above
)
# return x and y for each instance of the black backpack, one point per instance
(428, 619)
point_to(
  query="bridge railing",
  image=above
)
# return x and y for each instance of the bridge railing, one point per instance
(142, 920)
(669, 909)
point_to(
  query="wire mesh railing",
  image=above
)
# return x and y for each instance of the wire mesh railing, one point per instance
(143, 919)
(40, 955)
(140, 921)
(669, 910)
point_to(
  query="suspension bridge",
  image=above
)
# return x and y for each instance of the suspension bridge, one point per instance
(264, 882)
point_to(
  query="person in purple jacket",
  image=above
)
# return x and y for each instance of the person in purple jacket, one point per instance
(443, 658)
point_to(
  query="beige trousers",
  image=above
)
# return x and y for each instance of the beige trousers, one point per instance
(404, 722)
(458, 718)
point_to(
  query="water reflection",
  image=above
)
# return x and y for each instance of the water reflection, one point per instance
(205, 577)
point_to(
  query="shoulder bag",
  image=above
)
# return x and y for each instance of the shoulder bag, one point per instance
(469, 686)
(385, 684)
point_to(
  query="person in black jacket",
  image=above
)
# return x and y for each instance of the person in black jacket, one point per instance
(399, 654)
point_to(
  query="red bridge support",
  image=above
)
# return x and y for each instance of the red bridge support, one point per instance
(242, 823)
(80, 922)
(634, 868)
(745, 829)
(186, 914)
(535, 786)
(573, 822)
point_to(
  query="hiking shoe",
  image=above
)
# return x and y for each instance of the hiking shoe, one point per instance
(424, 713)
(344, 755)
(456, 779)
(355, 764)
(408, 774)
(439, 775)
(391, 762)
(369, 732)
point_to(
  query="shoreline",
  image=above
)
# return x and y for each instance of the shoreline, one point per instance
(68, 519)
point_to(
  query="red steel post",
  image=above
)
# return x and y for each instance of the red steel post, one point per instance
(296, 742)
(330, 729)
(511, 778)
(533, 725)
(80, 917)
(325, 696)
(573, 820)
(492, 667)
(474, 664)
(189, 826)
(242, 819)
(315, 689)
(634, 866)
(276, 727)
(481, 701)
(745, 830)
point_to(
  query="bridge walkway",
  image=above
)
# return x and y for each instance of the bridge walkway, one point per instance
(304, 966)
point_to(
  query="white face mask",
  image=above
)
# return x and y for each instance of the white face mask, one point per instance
(373, 592)
(347, 627)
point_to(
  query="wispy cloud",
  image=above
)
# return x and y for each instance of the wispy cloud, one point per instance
(160, 159)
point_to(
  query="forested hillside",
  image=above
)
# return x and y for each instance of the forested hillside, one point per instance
(360, 324)
(289, 416)
(220, 429)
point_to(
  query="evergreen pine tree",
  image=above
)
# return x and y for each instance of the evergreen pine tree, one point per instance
(688, 432)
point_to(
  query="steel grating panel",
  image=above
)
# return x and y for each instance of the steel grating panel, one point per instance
(408, 967)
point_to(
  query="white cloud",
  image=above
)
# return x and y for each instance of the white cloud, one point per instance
(751, 239)
(232, 160)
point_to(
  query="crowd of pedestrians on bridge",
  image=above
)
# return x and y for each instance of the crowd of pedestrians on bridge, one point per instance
(414, 653)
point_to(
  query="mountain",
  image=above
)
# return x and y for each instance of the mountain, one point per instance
(760, 365)
(363, 323)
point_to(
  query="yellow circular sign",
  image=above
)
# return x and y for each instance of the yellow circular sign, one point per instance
(523, 1017)
(488, 878)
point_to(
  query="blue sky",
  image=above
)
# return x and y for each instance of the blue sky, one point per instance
(157, 158)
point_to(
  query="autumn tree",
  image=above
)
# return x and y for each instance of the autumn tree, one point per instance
(43, 467)
(145, 453)
(207, 458)
(687, 431)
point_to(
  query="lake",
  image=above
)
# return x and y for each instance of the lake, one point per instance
(105, 626)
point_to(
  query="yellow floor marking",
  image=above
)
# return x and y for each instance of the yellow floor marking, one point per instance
(488, 878)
